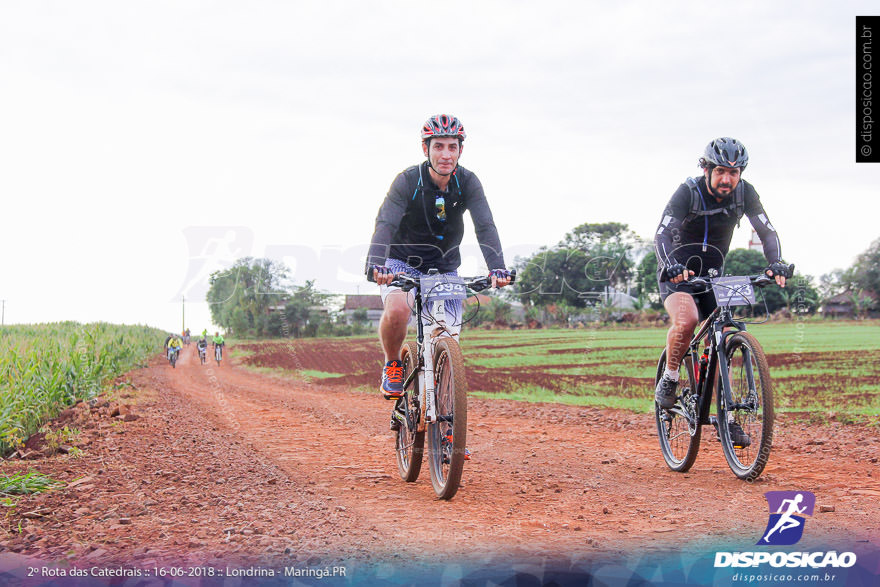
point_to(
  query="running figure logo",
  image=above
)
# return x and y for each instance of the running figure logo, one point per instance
(787, 514)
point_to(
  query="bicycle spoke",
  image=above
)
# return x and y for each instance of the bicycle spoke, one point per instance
(409, 442)
(746, 425)
(678, 428)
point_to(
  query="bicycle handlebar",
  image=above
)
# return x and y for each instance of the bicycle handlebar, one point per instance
(761, 280)
(407, 282)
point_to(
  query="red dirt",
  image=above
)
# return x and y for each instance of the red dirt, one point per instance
(218, 465)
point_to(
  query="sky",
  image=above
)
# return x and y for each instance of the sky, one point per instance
(144, 145)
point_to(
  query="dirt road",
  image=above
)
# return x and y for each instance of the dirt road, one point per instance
(216, 465)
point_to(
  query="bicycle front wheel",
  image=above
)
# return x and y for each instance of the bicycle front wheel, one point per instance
(448, 432)
(679, 428)
(409, 443)
(746, 427)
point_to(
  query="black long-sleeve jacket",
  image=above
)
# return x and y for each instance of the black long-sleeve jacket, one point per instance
(701, 243)
(423, 226)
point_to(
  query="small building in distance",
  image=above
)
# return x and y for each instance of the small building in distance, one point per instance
(371, 303)
(755, 243)
(843, 305)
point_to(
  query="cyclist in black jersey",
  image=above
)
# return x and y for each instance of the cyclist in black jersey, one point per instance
(693, 238)
(420, 226)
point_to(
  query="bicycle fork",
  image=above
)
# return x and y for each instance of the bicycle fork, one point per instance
(428, 388)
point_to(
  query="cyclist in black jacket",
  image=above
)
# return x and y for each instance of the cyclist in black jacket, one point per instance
(693, 238)
(420, 226)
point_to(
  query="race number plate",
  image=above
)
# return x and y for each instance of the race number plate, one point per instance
(733, 291)
(443, 287)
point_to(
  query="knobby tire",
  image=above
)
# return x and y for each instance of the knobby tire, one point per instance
(679, 442)
(447, 458)
(409, 443)
(747, 363)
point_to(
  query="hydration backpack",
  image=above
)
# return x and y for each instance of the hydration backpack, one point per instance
(736, 204)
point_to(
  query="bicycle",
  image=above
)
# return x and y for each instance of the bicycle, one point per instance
(202, 353)
(172, 358)
(218, 353)
(744, 391)
(435, 394)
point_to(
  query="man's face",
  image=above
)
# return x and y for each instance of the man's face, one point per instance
(722, 180)
(443, 153)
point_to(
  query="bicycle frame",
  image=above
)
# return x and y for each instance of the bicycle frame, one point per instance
(718, 327)
(424, 370)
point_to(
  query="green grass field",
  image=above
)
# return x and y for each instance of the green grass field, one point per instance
(817, 366)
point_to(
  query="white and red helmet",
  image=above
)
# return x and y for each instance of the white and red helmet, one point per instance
(443, 125)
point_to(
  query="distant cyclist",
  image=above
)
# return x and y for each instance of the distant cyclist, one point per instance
(202, 346)
(218, 343)
(174, 344)
(693, 239)
(419, 227)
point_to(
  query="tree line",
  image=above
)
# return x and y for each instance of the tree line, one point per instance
(254, 298)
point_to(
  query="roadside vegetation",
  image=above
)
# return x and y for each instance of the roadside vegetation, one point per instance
(47, 367)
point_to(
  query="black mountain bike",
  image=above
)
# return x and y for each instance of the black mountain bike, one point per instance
(202, 352)
(218, 353)
(435, 394)
(734, 364)
(173, 358)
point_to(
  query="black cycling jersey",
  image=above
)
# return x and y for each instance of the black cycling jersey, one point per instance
(702, 243)
(422, 225)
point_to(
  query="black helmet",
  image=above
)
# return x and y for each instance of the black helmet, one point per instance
(725, 152)
(443, 125)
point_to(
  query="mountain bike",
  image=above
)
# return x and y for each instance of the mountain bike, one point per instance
(435, 395)
(734, 364)
(218, 353)
(202, 352)
(173, 358)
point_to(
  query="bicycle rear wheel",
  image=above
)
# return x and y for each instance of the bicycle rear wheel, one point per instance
(409, 443)
(752, 409)
(448, 433)
(679, 428)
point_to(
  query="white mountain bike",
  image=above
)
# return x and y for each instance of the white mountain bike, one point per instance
(435, 394)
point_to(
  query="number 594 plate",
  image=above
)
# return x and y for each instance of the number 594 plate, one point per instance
(443, 287)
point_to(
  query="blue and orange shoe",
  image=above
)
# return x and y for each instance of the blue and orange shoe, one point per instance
(467, 453)
(392, 380)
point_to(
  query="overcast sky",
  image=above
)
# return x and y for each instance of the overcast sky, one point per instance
(145, 144)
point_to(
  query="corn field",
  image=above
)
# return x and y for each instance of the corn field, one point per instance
(47, 367)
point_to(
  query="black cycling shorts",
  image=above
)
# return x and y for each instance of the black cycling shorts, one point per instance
(705, 300)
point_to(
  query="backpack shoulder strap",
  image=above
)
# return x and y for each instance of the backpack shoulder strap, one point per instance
(739, 202)
(696, 200)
